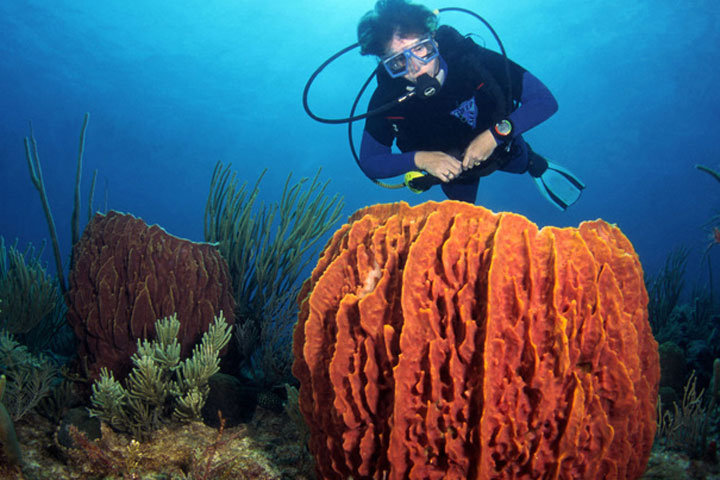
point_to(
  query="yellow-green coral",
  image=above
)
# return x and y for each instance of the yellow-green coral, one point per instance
(160, 384)
(193, 375)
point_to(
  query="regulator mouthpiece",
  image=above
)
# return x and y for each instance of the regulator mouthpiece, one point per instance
(426, 86)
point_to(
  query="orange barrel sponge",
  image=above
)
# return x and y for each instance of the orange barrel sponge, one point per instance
(445, 341)
(127, 275)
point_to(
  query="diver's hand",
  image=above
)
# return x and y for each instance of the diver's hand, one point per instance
(479, 150)
(438, 164)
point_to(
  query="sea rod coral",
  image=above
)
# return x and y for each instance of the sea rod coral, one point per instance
(267, 247)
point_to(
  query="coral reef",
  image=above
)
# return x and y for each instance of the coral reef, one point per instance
(127, 275)
(690, 320)
(267, 248)
(265, 448)
(160, 382)
(191, 452)
(445, 341)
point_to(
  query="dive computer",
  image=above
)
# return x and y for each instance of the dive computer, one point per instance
(503, 129)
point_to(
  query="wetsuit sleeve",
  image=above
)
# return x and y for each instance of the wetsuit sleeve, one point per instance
(377, 159)
(533, 100)
(536, 105)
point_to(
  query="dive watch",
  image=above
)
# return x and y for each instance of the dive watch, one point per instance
(502, 130)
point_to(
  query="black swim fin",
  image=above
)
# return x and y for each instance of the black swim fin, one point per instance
(557, 184)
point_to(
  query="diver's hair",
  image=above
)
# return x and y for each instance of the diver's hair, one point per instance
(377, 27)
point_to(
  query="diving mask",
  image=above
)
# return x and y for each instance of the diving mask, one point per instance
(424, 50)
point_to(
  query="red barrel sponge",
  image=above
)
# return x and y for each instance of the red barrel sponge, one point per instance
(127, 275)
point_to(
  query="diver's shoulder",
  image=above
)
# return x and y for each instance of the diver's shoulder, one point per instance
(447, 34)
(453, 43)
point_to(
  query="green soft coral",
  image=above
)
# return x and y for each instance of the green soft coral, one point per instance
(31, 376)
(30, 379)
(160, 384)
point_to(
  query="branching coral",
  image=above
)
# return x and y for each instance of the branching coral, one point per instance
(267, 248)
(30, 296)
(30, 377)
(161, 383)
(26, 379)
(685, 428)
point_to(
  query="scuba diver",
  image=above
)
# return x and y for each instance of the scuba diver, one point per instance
(458, 110)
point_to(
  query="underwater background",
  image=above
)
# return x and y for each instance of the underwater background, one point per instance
(172, 88)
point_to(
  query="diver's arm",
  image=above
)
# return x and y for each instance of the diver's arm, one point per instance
(537, 104)
(378, 161)
(535, 101)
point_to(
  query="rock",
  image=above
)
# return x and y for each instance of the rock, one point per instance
(81, 419)
(228, 395)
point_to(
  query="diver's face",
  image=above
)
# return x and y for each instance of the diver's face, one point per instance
(416, 67)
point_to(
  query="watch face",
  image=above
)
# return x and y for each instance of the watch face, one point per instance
(503, 128)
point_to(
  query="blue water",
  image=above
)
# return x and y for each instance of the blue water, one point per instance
(173, 87)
